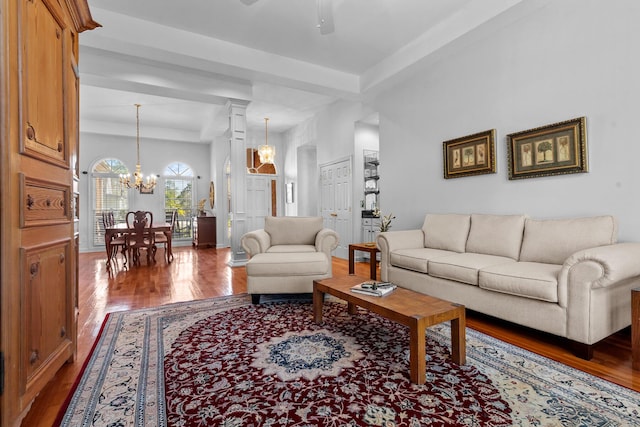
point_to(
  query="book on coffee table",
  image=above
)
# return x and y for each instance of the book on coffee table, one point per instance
(378, 289)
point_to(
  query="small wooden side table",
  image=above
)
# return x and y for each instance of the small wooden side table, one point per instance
(370, 247)
(635, 328)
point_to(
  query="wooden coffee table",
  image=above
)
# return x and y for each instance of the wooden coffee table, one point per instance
(409, 308)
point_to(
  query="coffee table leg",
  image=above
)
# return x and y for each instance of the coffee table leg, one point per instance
(417, 351)
(318, 299)
(352, 308)
(459, 340)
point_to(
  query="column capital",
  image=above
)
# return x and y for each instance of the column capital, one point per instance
(238, 103)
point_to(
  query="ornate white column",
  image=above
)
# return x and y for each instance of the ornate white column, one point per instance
(237, 157)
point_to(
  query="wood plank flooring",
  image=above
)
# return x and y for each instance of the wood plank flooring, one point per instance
(203, 273)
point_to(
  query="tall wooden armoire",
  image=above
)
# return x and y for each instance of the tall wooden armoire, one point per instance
(39, 194)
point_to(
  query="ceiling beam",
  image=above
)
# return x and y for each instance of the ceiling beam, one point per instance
(151, 41)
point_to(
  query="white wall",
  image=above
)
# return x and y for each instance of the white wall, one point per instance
(307, 173)
(303, 136)
(155, 156)
(537, 64)
(333, 132)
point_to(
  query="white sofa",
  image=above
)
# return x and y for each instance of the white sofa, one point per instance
(567, 277)
(288, 255)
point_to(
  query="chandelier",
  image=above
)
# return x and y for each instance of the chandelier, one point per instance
(138, 181)
(266, 152)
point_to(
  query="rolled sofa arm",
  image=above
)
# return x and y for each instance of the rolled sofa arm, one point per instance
(612, 264)
(255, 242)
(594, 286)
(389, 241)
(326, 241)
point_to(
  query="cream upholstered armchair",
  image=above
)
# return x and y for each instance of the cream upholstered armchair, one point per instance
(288, 255)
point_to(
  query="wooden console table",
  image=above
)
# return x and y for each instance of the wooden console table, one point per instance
(204, 231)
(364, 247)
(635, 328)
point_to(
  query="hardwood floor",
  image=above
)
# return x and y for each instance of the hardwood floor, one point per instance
(203, 273)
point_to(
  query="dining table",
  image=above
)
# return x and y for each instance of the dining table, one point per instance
(122, 229)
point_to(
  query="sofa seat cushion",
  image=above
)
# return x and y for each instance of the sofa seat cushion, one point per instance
(291, 248)
(525, 279)
(464, 267)
(288, 264)
(416, 259)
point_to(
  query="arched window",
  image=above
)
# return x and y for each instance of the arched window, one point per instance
(178, 196)
(109, 194)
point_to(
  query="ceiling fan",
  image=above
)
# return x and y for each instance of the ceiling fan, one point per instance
(325, 15)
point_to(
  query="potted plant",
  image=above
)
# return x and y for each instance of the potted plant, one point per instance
(385, 220)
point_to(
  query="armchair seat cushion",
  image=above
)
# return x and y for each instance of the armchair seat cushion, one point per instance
(288, 264)
(291, 248)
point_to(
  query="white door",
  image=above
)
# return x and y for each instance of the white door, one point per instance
(258, 200)
(335, 182)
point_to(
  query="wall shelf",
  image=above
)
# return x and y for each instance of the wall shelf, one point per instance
(371, 196)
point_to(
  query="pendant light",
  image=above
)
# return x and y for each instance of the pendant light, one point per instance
(266, 152)
(138, 181)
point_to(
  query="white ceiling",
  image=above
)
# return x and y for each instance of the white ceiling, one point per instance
(182, 60)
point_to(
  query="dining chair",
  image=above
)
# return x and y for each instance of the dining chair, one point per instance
(117, 241)
(141, 237)
(129, 218)
(161, 237)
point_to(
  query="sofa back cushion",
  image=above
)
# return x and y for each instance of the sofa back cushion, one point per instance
(553, 241)
(499, 235)
(446, 231)
(292, 230)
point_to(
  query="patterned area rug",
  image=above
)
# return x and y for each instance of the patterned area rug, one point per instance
(225, 362)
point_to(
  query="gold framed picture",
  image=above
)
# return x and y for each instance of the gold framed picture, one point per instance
(470, 155)
(212, 195)
(556, 149)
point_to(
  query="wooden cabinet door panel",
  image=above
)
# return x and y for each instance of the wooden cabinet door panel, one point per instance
(46, 310)
(43, 103)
